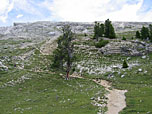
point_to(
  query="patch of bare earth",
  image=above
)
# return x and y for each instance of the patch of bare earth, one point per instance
(116, 98)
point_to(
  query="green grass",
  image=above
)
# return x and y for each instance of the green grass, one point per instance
(128, 35)
(13, 42)
(138, 84)
(101, 43)
(43, 92)
(48, 93)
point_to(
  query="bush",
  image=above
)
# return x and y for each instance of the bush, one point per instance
(101, 43)
(132, 38)
(123, 38)
(85, 35)
(138, 34)
(125, 65)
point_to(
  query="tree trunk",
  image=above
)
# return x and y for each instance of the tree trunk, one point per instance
(68, 70)
(67, 75)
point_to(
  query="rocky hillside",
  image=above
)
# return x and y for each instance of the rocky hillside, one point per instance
(42, 36)
(43, 29)
(28, 85)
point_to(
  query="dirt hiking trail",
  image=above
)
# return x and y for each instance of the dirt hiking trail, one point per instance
(116, 98)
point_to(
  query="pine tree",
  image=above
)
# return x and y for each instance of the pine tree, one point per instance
(64, 51)
(109, 29)
(144, 33)
(125, 65)
(138, 34)
(96, 30)
(58, 56)
(101, 30)
(150, 32)
(123, 38)
(112, 32)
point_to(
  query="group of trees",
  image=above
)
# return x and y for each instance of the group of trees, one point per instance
(98, 30)
(145, 33)
(63, 55)
(105, 29)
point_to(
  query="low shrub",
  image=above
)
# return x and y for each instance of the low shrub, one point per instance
(123, 38)
(125, 65)
(101, 43)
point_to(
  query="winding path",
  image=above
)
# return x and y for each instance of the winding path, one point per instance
(116, 98)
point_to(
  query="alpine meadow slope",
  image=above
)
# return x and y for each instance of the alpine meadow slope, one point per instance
(29, 85)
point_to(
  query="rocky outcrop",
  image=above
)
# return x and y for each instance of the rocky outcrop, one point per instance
(128, 48)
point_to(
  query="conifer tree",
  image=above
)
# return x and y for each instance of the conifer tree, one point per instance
(112, 32)
(144, 33)
(138, 34)
(101, 30)
(64, 51)
(96, 30)
(109, 29)
(125, 65)
(150, 32)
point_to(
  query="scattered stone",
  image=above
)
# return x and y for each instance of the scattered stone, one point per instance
(110, 76)
(99, 105)
(145, 72)
(14, 82)
(143, 57)
(99, 113)
(61, 74)
(128, 58)
(98, 99)
(140, 70)
(122, 76)
(116, 67)
(20, 89)
(92, 98)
